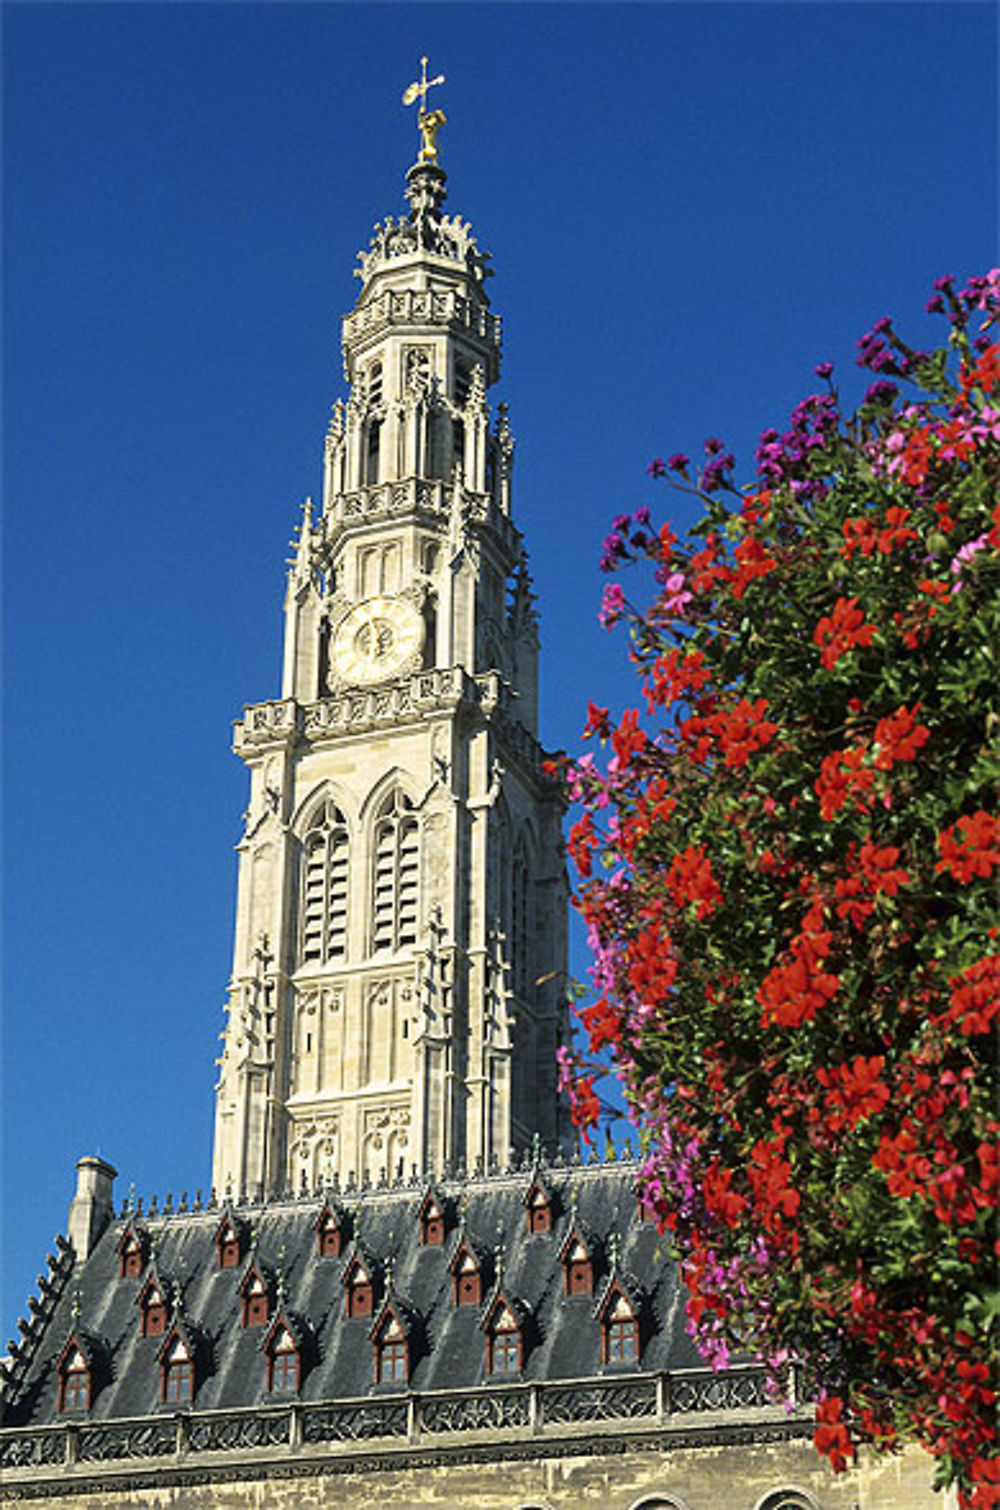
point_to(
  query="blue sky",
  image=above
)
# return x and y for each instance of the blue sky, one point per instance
(689, 206)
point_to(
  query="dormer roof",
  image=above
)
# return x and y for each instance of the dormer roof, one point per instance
(618, 1283)
(88, 1345)
(402, 1316)
(330, 1214)
(538, 1187)
(360, 1264)
(503, 1308)
(231, 1227)
(465, 1243)
(432, 1203)
(287, 1320)
(133, 1235)
(155, 1283)
(256, 1268)
(577, 1235)
(185, 1332)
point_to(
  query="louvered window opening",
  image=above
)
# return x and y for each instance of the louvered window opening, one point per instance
(397, 855)
(324, 906)
(519, 922)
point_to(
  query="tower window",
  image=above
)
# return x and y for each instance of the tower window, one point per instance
(397, 858)
(375, 383)
(324, 899)
(372, 451)
(519, 920)
(463, 382)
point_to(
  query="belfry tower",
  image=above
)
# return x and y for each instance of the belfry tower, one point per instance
(401, 932)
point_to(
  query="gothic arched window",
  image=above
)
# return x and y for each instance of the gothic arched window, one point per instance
(519, 919)
(396, 877)
(324, 887)
(372, 446)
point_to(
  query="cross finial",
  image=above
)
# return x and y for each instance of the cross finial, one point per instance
(429, 122)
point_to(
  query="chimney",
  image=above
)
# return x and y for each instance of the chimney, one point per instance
(92, 1207)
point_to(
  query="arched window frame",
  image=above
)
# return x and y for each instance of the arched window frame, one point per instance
(395, 889)
(324, 887)
(284, 1361)
(620, 1340)
(74, 1378)
(177, 1371)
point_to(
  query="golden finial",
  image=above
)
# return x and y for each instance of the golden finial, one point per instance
(429, 122)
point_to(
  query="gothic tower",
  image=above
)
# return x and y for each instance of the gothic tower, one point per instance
(401, 934)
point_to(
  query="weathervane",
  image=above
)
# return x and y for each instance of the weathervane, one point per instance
(429, 122)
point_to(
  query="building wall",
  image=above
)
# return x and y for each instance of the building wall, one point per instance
(745, 1477)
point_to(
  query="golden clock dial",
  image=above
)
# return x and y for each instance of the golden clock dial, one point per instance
(376, 639)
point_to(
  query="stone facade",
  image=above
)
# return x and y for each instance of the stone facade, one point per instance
(636, 1474)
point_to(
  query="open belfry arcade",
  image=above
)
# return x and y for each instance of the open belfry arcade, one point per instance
(407, 1287)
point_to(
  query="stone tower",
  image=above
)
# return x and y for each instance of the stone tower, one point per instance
(401, 932)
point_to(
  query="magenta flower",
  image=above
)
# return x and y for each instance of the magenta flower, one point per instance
(612, 605)
(676, 593)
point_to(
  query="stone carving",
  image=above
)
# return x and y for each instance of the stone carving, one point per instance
(352, 1423)
(238, 1430)
(312, 1156)
(600, 1402)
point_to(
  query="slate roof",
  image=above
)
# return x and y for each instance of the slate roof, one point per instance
(565, 1336)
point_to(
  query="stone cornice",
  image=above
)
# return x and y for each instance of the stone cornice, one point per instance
(447, 309)
(406, 700)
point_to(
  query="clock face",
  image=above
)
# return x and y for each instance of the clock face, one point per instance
(376, 639)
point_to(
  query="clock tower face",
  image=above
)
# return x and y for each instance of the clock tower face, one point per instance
(376, 640)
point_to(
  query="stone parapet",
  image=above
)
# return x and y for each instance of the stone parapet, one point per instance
(647, 1409)
(410, 306)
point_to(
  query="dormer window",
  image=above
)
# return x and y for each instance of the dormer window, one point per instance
(256, 1305)
(131, 1252)
(578, 1268)
(431, 1221)
(620, 1332)
(153, 1310)
(327, 1235)
(358, 1292)
(467, 1282)
(539, 1208)
(283, 1363)
(227, 1245)
(177, 1373)
(392, 1362)
(503, 1343)
(130, 1260)
(74, 1379)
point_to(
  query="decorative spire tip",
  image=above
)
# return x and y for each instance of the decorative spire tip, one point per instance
(429, 122)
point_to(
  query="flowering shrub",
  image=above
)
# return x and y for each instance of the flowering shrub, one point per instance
(789, 868)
